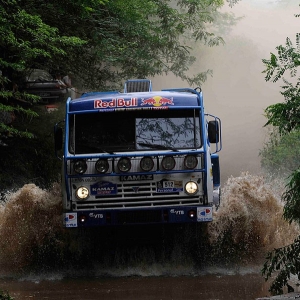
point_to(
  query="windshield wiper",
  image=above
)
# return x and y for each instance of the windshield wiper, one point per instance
(93, 147)
(157, 146)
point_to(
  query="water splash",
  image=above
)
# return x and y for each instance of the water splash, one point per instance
(251, 216)
(248, 224)
(29, 220)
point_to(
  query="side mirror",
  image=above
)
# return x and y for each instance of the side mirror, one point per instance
(213, 132)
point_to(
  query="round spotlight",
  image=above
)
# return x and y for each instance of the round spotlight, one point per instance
(124, 164)
(80, 166)
(147, 163)
(191, 188)
(82, 193)
(102, 165)
(168, 163)
(190, 162)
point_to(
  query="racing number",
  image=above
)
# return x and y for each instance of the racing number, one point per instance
(168, 184)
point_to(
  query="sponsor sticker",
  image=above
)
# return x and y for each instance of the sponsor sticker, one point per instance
(96, 216)
(136, 177)
(70, 219)
(169, 186)
(157, 101)
(204, 214)
(177, 212)
(104, 188)
(87, 179)
(115, 103)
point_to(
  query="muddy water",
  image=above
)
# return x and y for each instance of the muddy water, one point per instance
(39, 260)
(209, 287)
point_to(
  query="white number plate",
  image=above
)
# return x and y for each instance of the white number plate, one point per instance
(168, 184)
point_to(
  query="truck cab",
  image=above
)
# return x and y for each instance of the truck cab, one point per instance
(139, 157)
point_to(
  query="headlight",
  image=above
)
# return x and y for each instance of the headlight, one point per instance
(102, 165)
(147, 163)
(124, 164)
(80, 166)
(168, 163)
(82, 193)
(191, 187)
(190, 162)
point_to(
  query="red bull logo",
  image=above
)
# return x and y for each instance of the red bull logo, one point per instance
(157, 101)
(120, 102)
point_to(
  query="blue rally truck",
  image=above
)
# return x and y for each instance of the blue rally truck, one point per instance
(138, 157)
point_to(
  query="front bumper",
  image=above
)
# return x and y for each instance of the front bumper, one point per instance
(92, 218)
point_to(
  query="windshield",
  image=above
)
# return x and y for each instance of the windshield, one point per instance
(167, 132)
(135, 130)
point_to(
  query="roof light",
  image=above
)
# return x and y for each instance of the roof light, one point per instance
(124, 164)
(168, 163)
(147, 163)
(80, 166)
(102, 165)
(190, 162)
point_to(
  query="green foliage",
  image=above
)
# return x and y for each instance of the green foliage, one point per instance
(291, 197)
(132, 39)
(286, 115)
(282, 151)
(25, 42)
(232, 2)
(5, 296)
(280, 154)
(285, 262)
(287, 59)
(34, 161)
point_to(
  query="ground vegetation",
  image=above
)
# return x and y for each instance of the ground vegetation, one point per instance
(5, 296)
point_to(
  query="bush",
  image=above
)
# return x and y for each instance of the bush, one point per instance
(280, 155)
(5, 296)
(32, 160)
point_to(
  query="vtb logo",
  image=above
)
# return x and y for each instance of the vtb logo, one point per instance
(157, 101)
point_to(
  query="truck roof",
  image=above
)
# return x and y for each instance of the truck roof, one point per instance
(107, 101)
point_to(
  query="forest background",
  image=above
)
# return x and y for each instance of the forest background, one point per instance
(102, 43)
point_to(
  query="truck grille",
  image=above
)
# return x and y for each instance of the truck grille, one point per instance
(135, 195)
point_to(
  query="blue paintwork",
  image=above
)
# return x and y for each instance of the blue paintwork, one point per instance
(100, 102)
(164, 216)
(179, 100)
